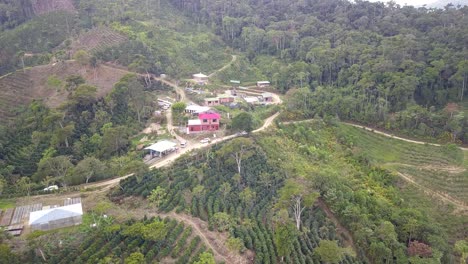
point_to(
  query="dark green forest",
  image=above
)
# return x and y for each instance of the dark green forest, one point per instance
(382, 64)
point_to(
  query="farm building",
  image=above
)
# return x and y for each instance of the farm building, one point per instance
(267, 97)
(207, 121)
(161, 148)
(200, 78)
(263, 84)
(58, 217)
(225, 99)
(196, 109)
(211, 101)
(251, 99)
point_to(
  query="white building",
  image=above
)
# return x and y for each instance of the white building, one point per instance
(57, 217)
(161, 148)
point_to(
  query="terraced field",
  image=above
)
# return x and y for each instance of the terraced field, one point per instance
(438, 170)
(96, 39)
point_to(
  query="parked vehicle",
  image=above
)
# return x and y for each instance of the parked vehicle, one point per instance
(205, 140)
(51, 188)
(183, 144)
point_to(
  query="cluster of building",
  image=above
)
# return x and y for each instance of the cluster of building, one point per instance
(230, 96)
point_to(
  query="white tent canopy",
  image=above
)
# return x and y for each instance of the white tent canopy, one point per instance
(199, 75)
(162, 146)
(45, 217)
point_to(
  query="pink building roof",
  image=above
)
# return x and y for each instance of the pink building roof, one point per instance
(209, 115)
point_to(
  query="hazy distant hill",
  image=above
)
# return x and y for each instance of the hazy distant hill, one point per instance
(443, 3)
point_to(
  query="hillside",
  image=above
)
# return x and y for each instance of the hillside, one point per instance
(47, 6)
(95, 39)
(19, 89)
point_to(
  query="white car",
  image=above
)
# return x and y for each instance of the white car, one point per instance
(183, 144)
(205, 140)
(51, 188)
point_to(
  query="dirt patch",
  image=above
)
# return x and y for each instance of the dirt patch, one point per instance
(46, 6)
(153, 128)
(341, 230)
(137, 208)
(20, 88)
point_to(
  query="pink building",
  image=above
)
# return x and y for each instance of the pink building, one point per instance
(207, 121)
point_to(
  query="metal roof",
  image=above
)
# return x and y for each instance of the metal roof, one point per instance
(162, 146)
(45, 216)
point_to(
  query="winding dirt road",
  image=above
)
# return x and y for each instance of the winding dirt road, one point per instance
(234, 58)
(395, 137)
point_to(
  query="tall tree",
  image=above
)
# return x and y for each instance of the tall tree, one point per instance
(297, 196)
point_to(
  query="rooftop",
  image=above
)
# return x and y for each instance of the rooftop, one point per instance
(162, 146)
(45, 216)
(200, 75)
(194, 122)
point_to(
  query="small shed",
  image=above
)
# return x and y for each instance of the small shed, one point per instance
(212, 101)
(263, 83)
(161, 148)
(267, 97)
(200, 78)
(235, 83)
(225, 98)
(58, 217)
(251, 99)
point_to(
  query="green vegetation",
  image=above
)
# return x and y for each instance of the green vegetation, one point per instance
(85, 140)
(133, 241)
(440, 169)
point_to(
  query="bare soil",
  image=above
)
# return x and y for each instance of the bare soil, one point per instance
(46, 6)
(20, 88)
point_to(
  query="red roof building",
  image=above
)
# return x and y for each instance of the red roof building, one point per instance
(207, 121)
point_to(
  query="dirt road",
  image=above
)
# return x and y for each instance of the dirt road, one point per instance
(395, 137)
(214, 240)
(234, 58)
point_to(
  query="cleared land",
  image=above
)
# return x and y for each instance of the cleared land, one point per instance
(439, 170)
(20, 88)
(96, 39)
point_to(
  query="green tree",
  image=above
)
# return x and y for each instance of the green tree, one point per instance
(329, 251)
(73, 81)
(155, 231)
(223, 221)
(89, 168)
(54, 82)
(82, 57)
(285, 235)
(461, 248)
(135, 258)
(297, 196)
(235, 244)
(24, 184)
(58, 167)
(178, 108)
(157, 196)
(236, 151)
(205, 258)
(242, 122)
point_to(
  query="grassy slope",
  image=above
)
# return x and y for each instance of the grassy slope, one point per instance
(441, 169)
(321, 159)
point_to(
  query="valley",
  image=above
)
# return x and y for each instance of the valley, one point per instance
(232, 132)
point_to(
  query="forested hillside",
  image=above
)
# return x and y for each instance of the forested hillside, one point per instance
(392, 66)
(293, 191)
